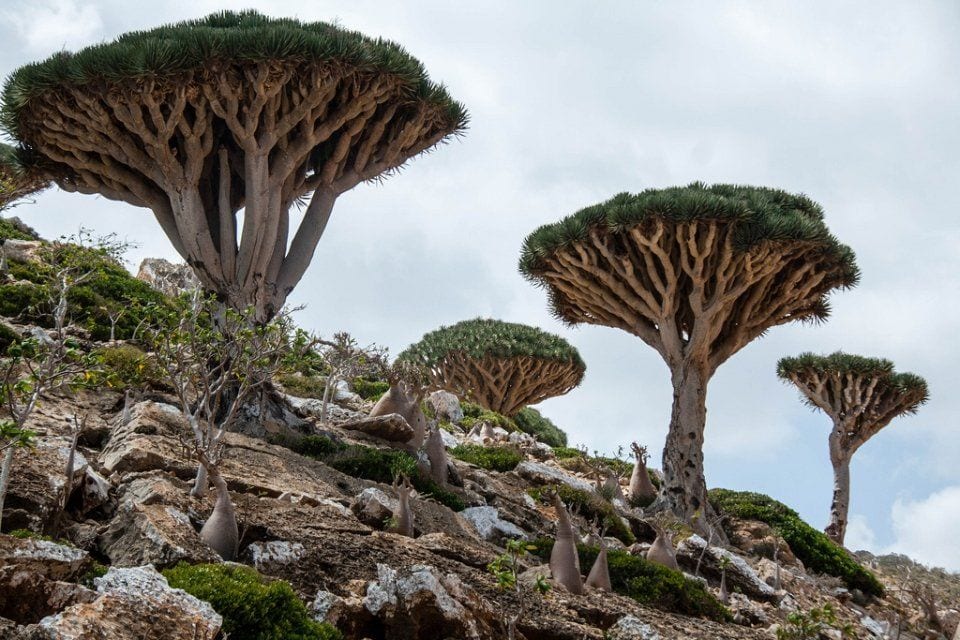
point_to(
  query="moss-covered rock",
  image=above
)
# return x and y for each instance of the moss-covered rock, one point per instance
(816, 551)
(253, 607)
(648, 583)
(503, 458)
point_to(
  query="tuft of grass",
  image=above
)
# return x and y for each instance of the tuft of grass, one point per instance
(502, 458)
(817, 552)
(253, 607)
(647, 582)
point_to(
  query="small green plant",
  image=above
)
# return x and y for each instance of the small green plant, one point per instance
(98, 570)
(302, 386)
(809, 625)
(253, 607)
(494, 418)
(647, 582)
(565, 453)
(471, 409)
(816, 551)
(506, 569)
(317, 446)
(369, 389)
(501, 458)
(529, 420)
(126, 366)
(592, 507)
(26, 534)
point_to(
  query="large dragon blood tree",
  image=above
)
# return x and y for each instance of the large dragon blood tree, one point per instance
(861, 396)
(697, 273)
(502, 366)
(200, 120)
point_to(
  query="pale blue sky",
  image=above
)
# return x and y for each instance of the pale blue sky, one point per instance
(854, 104)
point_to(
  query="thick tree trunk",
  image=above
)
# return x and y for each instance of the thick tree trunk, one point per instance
(684, 489)
(837, 529)
(220, 531)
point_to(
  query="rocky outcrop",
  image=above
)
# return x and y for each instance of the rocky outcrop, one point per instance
(135, 603)
(445, 406)
(542, 474)
(740, 575)
(390, 427)
(487, 523)
(37, 578)
(168, 278)
(631, 628)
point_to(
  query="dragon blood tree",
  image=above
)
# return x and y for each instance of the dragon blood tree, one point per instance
(199, 120)
(697, 273)
(861, 396)
(502, 366)
(16, 181)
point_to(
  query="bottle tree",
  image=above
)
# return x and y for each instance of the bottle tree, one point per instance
(502, 366)
(697, 273)
(200, 120)
(861, 396)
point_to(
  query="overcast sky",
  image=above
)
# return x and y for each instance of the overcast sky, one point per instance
(853, 103)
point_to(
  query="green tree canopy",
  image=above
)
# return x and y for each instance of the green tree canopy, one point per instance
(503, 366)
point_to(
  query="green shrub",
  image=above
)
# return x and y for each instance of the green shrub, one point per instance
(564, 453)
(592, 507)
(471, 409)
(317, 446)
(29, 302)
(369, 389)
(302, 386)
(817, 552)
(494, 418)
(383, 465)
(7, 337)
(125, 366)
(648, 583)
(530, 421)
(253, 608)
(98, 570)
(16, 230)
(504, 458)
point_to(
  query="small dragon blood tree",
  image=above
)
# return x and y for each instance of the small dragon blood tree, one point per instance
(502, 366)
(200, 120)
(861, 396)
(697, 273)
(16, 181)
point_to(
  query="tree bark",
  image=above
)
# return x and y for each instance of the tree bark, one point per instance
(5, 477)
(839, 508)
(684, 489)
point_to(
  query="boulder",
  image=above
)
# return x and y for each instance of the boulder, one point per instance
(488, 524)
(419, 601)
(150, 440)
(36, 578)
(542, 474)
(312, 408)
(37, 482)
(373, 507)
(167, 277)
(757, 538)
(631, 628)
(740, 575)
(135, 603)
(21, 250)
(391, 427)
(446, 406)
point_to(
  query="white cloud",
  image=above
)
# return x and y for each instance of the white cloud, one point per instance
(56, 24)
(926, 529)
(859, 534)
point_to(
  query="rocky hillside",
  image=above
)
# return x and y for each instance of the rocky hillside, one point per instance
(317, 513)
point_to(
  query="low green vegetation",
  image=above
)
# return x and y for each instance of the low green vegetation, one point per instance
(564, 453)
(813, 624)
(7, 337)
(648, 583)
(11, 230)
(26, 534)
(529, 420)
(302, 386)
(125, 366)
(592, 507)
(376, 465)
(253, 607)
(495, 419)
(813, 548)
(503, 458)
(369, 389)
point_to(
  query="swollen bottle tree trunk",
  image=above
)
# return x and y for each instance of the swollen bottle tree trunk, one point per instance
(220, 531)
(697, 273)
(861, 396)
(641, 488)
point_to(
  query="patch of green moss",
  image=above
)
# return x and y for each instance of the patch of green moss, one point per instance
(648, 583)
(26, 534)
(592, 507)
(494, 418)
(369, 389)
(381, 465)
(529, 420)
(253, 607)
(502, 458)
(302, 386)
(817, 552)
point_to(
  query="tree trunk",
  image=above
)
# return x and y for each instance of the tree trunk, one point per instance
(220, 531)
(200, 482)
(837, 529)
(684, 489)
(5, 477)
